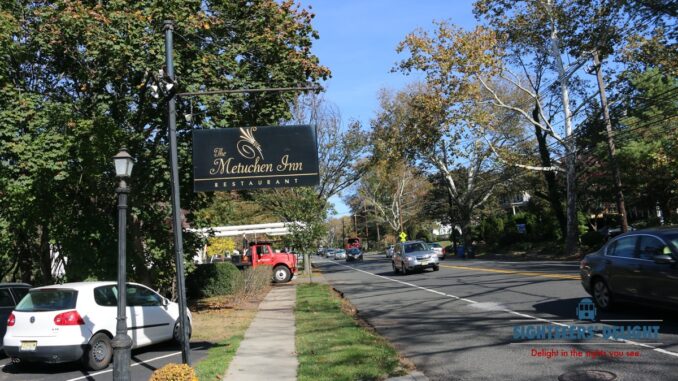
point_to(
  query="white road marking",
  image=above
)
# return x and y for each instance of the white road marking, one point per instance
(135, 364)
(526, 316)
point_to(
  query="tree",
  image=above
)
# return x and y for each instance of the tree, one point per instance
(394, 193)
(305, 214)
(74, 89)
(649, 151)
(220, 245)
(438, 126)
(340, 150)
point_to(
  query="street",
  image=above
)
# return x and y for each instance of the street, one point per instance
(458, 323)
(144, 362)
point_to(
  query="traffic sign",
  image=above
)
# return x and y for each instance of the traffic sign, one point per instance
(403, 236)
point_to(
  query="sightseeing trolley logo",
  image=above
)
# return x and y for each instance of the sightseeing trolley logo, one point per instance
(586, 327)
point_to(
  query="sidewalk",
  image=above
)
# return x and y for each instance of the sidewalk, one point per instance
(267, 352)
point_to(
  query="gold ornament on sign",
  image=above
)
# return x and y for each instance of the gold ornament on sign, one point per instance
(247, 146)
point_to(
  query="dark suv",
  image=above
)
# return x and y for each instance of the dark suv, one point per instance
(639, 266)
(10, 295)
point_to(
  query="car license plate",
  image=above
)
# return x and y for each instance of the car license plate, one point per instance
(28, 345)
(424, 262)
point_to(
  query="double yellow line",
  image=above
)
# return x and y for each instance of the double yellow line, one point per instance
(525, 273)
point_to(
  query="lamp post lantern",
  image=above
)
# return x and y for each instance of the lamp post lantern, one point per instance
(122, 343)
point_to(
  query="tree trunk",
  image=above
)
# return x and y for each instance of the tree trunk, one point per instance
(554, 194)
(25, 261)
(45, 258)
(621, 205)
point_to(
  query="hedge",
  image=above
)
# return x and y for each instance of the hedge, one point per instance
(213, 279)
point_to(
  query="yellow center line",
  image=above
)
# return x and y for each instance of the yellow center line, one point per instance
(527, 273)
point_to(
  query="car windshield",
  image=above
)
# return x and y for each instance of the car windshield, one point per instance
(411, 248)
(354, 251)
(672, 239)
(48, 300)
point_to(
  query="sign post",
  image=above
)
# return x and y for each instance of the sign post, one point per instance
(403, 236)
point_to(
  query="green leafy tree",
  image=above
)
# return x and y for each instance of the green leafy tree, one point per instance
(74, 89)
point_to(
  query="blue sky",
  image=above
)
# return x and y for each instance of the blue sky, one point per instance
(357, 42)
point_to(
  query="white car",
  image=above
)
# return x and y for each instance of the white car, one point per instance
(340, 254)
(77, 321)
(437, 249)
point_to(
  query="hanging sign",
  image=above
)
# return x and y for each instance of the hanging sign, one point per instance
(254, 157)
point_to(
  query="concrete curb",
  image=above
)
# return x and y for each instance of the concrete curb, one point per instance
(414, 376)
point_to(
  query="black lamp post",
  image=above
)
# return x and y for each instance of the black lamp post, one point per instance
(122, 343)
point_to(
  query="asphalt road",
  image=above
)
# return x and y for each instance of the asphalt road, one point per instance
(144, 362)
(458, 323)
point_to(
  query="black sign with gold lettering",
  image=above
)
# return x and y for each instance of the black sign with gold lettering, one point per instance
(254, 157)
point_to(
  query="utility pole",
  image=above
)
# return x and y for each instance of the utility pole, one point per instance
(570, 147)
(365, 213)
(176, 208)
(343, 231)
(621, 205)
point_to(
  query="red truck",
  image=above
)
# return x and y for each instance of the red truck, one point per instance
(284, 265)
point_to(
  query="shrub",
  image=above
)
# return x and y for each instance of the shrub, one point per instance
(174, 372)
(253, 282)
(213, 279)
(424, 236)
(492, 229)
(593, 240)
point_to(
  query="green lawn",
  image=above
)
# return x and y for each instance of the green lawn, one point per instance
(332, 346)
(213, 367)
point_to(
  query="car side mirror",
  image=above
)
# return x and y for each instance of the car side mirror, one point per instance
(165, 302)
(663, 259)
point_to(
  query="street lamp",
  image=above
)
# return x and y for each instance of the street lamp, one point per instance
(122, 343)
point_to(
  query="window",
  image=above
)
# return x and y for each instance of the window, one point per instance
(623, 247)
(106, 296)
(6, 298)
(415, 247)
(48, 300)
(649, 247)
(141, 296)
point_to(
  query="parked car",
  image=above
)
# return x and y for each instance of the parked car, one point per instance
(76, 321)
(10, 295)
(389, 251)
(354, 254)
(340, 254)
(414, 255)
(638, 266)
(437, 249)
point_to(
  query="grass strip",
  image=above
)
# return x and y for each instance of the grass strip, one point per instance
(213, 367)
(331, 345)
(225, 329)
